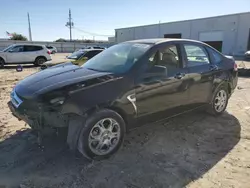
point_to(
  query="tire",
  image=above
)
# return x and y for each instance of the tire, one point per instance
(219, 101)
(40, 61)
(97, 139)
(2, 63)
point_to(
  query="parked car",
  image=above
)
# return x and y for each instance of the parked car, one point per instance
(128, 85)
(24, 53)
(247, 55)
(91, 47)
(77, 58)
(52, 49)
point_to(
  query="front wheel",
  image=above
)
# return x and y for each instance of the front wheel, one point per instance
(2, 62)
(102, 135)
(219, 102)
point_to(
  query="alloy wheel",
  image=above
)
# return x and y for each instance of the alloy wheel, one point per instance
(104, 136)
(220, 101)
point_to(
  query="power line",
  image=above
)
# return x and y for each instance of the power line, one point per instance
(91, 33)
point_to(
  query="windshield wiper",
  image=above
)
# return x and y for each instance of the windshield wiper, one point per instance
(96, 70)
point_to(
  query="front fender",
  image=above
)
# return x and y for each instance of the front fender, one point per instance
(3, 57)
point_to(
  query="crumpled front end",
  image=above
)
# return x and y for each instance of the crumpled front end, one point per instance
(39, 116)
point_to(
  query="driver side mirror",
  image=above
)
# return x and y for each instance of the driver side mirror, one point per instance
(11, 51)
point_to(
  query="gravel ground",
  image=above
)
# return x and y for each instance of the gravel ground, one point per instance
(193, 150)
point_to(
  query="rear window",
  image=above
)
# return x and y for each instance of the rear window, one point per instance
(216, 57)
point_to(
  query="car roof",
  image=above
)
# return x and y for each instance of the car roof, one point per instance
(162, 40)
(28, 44)
(87, 50)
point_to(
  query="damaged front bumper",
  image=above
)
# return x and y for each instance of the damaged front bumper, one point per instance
(38, 116)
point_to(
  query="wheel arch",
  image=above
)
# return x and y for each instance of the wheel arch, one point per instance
(41, 56)
(3, 58)
(76, 117)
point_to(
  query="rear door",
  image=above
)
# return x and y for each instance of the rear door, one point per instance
(201, 72)
(32, 52)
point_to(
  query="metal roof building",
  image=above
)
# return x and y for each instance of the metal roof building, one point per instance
(229, 34)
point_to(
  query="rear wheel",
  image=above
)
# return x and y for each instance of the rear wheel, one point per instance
(102, 134)
(2, 62)
(40, 61)
(219, 102)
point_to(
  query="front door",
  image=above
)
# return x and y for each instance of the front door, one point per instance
(201, 73)
(162, 88)
(15, 54)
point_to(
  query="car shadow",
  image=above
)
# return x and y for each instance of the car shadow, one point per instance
(168, 154)
(23, 66)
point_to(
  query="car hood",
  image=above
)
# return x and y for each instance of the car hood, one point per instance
(247, 52)
(54, 78)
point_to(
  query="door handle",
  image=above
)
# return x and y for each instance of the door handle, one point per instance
(214, 67)
(180, 75)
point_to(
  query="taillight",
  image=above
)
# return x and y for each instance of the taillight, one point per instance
(49, 52)
(235, 67)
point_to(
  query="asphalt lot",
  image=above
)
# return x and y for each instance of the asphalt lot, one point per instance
(193, 150)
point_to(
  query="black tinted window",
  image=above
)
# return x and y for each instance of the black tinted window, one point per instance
(90, 54)
(32, 48)
(196, 55)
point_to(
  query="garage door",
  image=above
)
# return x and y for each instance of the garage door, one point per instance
(211, 36)
(214, 39)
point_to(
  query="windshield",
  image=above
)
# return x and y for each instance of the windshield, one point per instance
(76, 55)
(118, 58)
(8, 48)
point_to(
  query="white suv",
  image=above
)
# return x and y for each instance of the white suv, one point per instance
(24, 53)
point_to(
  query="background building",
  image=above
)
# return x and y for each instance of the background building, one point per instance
(229, 34)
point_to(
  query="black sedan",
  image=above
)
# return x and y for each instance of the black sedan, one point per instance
(129, 84)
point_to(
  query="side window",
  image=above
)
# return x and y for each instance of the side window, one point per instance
(32, 48)
(17, 49)
(167, 58)
(28, 48)
(37, 48)
(217, 58)
(196, 55)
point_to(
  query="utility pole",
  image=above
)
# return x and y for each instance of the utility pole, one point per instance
(30, 36)
(70, 24)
